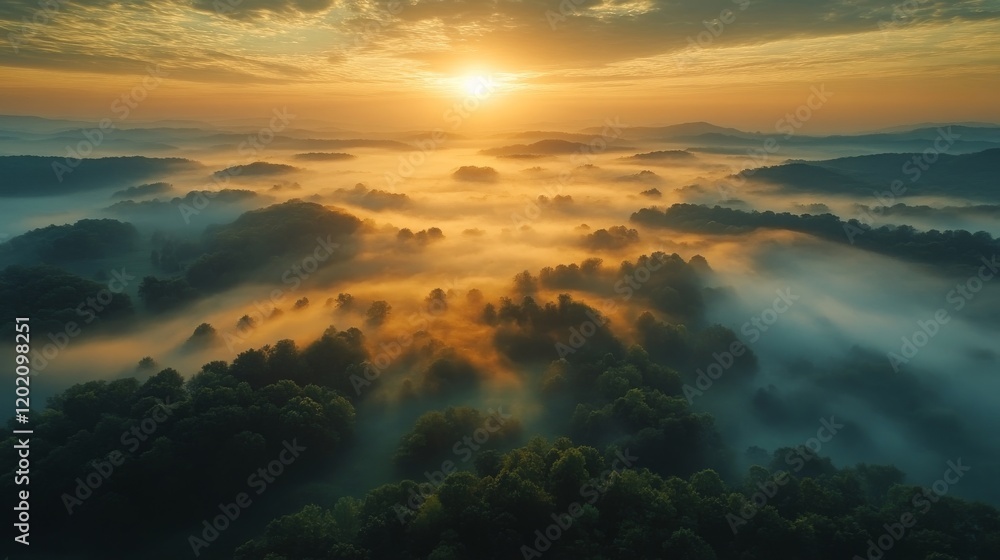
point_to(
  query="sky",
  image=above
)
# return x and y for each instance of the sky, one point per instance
(402, 64)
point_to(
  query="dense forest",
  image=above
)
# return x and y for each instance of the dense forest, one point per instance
(634, 472)
(585, 402)
(500, 279)
(956, 249)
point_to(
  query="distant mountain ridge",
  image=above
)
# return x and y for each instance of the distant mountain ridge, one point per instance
(673, 131)
(973, 176)
(543, 147)
(46, 176)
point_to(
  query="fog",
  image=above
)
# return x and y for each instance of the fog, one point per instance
(826, 355)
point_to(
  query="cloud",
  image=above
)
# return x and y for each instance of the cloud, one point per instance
(543, 34)
(361, 46)
(239, 9)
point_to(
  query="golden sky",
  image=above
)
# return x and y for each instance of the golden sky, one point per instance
(404, 64)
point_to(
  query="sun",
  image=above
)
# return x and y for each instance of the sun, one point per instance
(477, 85)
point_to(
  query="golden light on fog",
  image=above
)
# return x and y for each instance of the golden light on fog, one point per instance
(373, 228)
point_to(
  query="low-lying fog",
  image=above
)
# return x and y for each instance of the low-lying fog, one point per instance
(825, 354)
